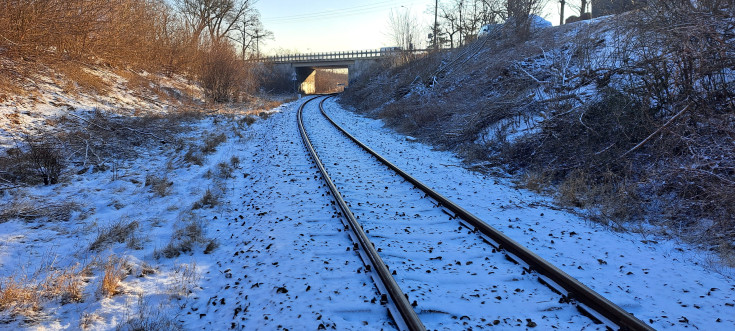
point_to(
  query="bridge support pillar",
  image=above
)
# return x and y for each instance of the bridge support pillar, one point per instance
(306, 79)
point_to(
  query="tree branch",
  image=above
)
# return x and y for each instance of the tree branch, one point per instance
(657, 131)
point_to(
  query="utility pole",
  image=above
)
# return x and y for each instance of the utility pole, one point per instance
(461, 2)
(257, 43)
(436, 26)
(561, 19)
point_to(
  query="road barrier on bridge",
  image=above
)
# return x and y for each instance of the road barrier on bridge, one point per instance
(337, 56)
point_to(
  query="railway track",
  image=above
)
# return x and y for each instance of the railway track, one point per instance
(439, 252)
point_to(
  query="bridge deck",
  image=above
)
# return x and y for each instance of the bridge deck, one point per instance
(338, 56)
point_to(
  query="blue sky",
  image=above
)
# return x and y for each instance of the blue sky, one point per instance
(334, 25)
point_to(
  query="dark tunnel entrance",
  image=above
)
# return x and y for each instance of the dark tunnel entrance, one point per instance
(321, 80)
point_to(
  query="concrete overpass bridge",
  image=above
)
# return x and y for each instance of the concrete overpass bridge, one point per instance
(305, 68)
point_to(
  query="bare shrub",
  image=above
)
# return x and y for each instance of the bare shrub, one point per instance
(25, 296)
(249, 120)
(119, 232)
(144, 33)
(159, 185)
(30, 209)
(221, 72)
(185, 280)
(235, 161)
(194, 156)
(519, 20)
(212, 141)
(148, 317)
(683, 63)
(188, 234)
(80, 77)
(224, 170)
(36, 160)
(208, 200)
(636, 114)
(115, 270)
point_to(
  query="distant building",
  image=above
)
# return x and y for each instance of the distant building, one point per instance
(609, 7)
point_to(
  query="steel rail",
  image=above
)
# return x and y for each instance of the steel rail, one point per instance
(574, 288)
(407, 319)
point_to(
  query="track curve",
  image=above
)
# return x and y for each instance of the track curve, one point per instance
(586, 300)
(403, 313)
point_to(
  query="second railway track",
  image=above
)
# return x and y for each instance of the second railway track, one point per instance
(451, 276)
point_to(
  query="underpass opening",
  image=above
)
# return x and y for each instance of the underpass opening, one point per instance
(322, 80)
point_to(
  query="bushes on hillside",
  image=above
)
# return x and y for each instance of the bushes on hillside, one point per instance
(135, 34)
(634, 121)
(219, 72)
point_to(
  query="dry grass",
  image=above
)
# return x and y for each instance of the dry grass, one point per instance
(120, 232)
(211, 142)
(9, 86)
(194, 156)
(208, 200)
(537, 181)
(20, 297)
(148, 317)
(87, 320)
(185, 278)
(115, 271)
(189, 234)
(25, 296)
(575, 190)
(260, 105)
(225, 170)
(159, 185)
(32, 209)
(79, 78)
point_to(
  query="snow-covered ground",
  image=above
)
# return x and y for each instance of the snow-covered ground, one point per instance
(50, 98)
(456, 280)
(273, 254)
(664, 283)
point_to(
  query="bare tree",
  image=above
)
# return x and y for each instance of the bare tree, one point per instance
(449, 24)
(519, 15)
(217, 17)
(252, 33)
(462, 19)
(581, 6)
(404, 30)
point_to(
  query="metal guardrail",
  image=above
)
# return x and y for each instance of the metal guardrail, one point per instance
(337, 56)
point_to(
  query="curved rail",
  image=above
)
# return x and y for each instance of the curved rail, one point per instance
(407, 317)
(599, 307)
